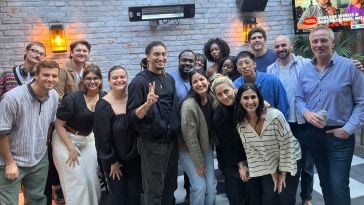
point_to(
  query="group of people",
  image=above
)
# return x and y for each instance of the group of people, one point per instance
(258, 110)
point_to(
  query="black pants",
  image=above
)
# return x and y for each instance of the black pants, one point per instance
(235, 187)
(159, 163)
(127, 190)
(260, 190)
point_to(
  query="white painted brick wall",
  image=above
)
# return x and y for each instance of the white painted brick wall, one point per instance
(115, 40)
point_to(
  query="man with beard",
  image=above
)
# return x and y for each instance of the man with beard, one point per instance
(331, 83)
(22, 74)
(186, 62)
(286, 68)
(257, 37)
(153, 110)
(322, 8)
(26, 114)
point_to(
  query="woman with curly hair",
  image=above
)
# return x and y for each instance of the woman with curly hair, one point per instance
(228, 68)
(215, 49)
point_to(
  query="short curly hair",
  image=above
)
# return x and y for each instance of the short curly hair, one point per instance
(224, 48)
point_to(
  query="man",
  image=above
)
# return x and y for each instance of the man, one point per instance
(26, 114)
(153, 110)
(186, 62)
(71, 74)
(322, 8)
(257, 38)
(24, 73)
(287, 68)
(331, 83)
(270, 86)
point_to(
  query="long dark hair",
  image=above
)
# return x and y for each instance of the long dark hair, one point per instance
(241, 113)
(191, 92)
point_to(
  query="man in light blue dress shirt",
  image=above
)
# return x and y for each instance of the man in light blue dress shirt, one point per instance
(332, 83)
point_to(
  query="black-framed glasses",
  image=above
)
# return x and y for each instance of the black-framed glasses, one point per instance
(90, 79)
(35, 51)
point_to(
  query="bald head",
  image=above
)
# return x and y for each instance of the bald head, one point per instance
(282, 47)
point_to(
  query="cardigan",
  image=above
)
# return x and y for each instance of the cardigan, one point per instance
(195, 134)
(275, 149)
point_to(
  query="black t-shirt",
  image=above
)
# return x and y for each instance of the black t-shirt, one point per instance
(74, 111)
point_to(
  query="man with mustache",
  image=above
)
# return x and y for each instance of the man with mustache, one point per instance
(22, 74)
(286, 68)
(26, 114)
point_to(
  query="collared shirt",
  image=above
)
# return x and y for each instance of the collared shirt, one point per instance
(288, 77)
(182, 86)
(25, 119)
(338, 90)
(272, 90)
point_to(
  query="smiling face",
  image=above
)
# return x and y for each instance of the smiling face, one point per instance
(80, 53)
(118, 80)
(225, 94)
(249, 100)
(199, 84)
(157, 59)
(322, 43)
(92, 82)
(186, 63)
(257, 41)
(282, 47)
(47, 78)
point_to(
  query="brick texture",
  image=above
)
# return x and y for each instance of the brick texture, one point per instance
(115, 40)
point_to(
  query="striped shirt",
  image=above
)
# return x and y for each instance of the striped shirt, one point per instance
(275, 149)
(25, 120)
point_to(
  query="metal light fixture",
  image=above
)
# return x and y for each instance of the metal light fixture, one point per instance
(249, 23)
(58, 37)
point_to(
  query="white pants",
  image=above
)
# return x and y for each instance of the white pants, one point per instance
(80, 184)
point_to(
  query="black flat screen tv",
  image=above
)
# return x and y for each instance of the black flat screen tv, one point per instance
(336, 14)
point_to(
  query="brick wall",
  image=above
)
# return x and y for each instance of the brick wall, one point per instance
(115, 40)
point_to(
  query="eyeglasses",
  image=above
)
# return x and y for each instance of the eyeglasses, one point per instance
(37, 52)
(90, 79)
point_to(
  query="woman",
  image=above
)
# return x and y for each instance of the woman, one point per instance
(74, 151)
(271, 149)
(116, 143)
(196, 144)
(201, 61)
(228, 68)
(233, 155)
(215, 49)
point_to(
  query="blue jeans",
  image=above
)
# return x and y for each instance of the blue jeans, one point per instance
(333, 158)
(203, 188)
(307, 164)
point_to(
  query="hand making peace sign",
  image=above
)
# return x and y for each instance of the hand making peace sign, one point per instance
(151, 97)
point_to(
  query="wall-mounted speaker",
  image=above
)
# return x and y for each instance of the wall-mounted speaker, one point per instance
(251, 5)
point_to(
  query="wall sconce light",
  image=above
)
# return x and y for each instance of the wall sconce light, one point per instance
(249, 23)
(58, 37)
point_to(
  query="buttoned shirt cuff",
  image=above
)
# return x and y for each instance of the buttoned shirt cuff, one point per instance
(349, 128)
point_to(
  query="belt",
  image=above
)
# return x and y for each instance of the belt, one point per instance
(76, 132)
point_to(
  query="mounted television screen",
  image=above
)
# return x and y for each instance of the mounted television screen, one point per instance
(336, 14)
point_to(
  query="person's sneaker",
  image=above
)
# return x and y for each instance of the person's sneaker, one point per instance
(58, 196)
(306, 202)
